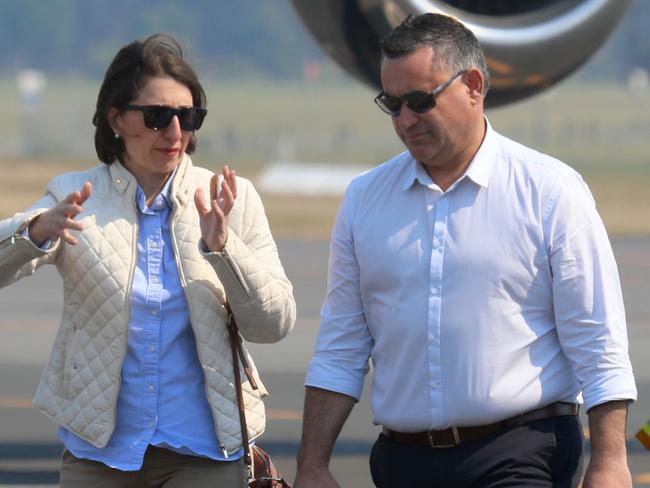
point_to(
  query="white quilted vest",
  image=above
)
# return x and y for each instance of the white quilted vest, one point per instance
(80, 383)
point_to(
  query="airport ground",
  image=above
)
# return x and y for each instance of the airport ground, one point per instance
(29, 451)
(601, 130)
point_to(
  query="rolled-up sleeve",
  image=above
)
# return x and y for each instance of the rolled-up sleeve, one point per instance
(588, 301)
(341, 359)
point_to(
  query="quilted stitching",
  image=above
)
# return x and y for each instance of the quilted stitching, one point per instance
(79, 386)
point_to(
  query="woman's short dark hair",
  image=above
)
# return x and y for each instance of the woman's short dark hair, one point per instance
(160, 55)
(455, 47)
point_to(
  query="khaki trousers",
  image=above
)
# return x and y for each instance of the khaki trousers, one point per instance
(161, 468)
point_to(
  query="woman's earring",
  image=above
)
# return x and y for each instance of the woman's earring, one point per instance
(116, 135)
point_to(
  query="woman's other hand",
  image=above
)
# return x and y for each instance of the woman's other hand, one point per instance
(56, 222)
(214, 217)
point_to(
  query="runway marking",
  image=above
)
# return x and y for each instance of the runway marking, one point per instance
(12, 402)
(271, 413)
(30, 486)
(643, 478)
(274, 414)
(29, 326)
(30, 465)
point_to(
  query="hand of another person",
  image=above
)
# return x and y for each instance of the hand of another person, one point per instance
(214, 217)
(315, 478)
(56, 222)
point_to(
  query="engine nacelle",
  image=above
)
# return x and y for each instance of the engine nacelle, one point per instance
(529, 44)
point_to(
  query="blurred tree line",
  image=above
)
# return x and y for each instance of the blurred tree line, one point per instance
(232, 38)
(224, 38)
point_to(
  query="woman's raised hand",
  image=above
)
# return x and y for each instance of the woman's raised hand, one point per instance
(57, 221)
(214, 215)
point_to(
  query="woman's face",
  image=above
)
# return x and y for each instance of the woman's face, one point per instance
(151, 155)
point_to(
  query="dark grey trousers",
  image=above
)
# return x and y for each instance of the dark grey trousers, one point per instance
(540, 454)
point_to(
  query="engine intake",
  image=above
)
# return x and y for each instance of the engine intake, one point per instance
(529, 44)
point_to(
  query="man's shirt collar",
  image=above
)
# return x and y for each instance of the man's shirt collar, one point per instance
(478, 171)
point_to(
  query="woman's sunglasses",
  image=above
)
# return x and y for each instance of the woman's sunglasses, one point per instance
(160, 116)
(418, 101)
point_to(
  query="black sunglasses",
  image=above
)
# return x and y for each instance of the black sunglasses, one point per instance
(418, 101)
(160, 116)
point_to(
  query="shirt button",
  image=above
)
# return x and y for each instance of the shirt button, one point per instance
(151, 423)
(154, 313)
(152, 348)
(151, 388)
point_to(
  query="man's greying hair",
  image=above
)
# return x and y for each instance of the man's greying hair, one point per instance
(455, 47)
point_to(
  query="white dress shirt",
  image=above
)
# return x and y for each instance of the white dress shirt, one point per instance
(491, 299)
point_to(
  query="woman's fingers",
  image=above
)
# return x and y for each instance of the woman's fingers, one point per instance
(55, 222)
(70, 209)
(213, 187)
(65, 236)
(217, 207)
(230, 177)
(228, 192)
(80, 196)
(233, 183)
(86, 191)
(199, 201)
(227, 199)
(222, 197)
(73, 224)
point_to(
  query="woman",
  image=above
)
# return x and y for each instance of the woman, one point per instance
(150, 247)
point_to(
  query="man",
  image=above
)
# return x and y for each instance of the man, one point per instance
(477, 275)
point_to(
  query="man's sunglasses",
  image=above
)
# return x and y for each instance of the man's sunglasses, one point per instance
(418, 101)
(160, 116)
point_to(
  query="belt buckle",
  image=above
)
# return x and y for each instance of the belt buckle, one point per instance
(432, 442)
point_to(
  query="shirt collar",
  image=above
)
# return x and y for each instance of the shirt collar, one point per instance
(165, 194)
(414, 171)
(478, 170)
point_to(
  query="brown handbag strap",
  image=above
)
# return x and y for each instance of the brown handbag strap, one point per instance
(238, 353)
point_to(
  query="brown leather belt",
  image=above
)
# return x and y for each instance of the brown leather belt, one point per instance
(456, 435)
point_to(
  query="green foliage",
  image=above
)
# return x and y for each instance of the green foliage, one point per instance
(229, 38)
(226, 39)
(600, 129)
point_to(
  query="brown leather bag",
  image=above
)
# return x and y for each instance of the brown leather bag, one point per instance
(262, 472)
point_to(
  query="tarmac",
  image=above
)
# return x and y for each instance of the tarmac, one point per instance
(29, 316)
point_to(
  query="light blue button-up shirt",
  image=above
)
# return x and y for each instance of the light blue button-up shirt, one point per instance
(496, 297)
(162, 395)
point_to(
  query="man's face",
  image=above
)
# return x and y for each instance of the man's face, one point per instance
(437, 138)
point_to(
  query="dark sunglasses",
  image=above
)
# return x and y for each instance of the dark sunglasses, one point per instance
(418, 101)
(160, 116)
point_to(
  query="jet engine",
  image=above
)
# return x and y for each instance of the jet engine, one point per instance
(529, 44)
